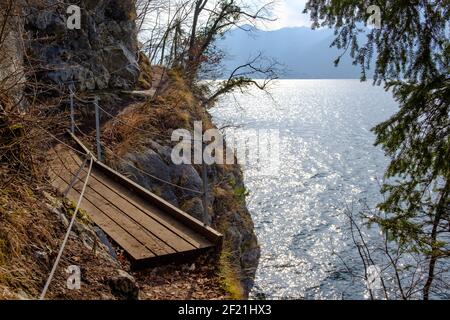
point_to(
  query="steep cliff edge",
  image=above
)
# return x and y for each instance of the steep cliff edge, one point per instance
(102, 58)
(146, 147)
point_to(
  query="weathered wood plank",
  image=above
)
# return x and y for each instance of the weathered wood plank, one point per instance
(165, 235)
(208, 232)
(181, 216)
(158, 218)
(145, 226)
(133, 247)
(108, 208)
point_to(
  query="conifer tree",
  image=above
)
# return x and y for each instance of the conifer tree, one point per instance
(410, 52)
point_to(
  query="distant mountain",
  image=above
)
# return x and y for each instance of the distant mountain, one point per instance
(304, 53)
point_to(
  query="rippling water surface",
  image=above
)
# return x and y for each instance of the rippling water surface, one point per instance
(328, 163)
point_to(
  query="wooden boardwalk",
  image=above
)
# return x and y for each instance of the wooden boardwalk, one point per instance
(149, 229)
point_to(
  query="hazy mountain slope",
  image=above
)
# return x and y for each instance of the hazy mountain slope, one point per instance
(304, 53)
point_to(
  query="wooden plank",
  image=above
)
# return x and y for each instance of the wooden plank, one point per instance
(178, 214)
(165, 235)
(159, 218)
(112, 212)
(133, 247)
(55, 163)
(166, 221)
(109, 209)
(209, 233)
(147, 227)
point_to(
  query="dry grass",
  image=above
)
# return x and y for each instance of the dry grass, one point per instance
(145, 80)
(176, 108)
(26, 228)
(30, 233)
(192, 281)
(30, 236)
(228, 275)
(124, 132)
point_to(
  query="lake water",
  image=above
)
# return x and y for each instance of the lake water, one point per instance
(328, 164)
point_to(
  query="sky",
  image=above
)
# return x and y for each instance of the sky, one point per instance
(289, 14)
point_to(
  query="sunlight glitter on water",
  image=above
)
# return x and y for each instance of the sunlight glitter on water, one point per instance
(328, 162)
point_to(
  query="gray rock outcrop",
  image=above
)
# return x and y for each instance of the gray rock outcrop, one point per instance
(124, 286)
(155, 159)
(12, 74)
(102, 54)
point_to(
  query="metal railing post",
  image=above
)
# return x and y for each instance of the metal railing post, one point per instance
(97, 126)
(72, 110)
(205, 185)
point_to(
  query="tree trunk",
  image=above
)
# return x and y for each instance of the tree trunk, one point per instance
(434, 250)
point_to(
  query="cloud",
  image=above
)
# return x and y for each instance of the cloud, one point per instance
(289, 14)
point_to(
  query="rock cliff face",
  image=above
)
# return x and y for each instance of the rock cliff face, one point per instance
(11, 56)
(102, 54)
(102, 57)
(156, 160)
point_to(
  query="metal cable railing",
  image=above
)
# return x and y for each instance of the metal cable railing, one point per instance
(141, 170)
(69, 229)
(99, 109)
